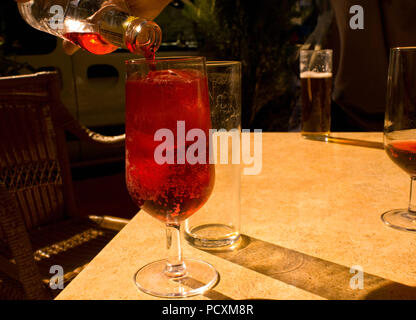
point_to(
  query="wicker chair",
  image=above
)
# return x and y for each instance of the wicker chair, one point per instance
(39, 223)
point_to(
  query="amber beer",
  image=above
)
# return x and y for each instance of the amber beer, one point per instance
(316, 86)
(316, 102)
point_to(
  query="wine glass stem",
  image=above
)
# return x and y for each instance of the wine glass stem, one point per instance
(412, 197)
(175, 267)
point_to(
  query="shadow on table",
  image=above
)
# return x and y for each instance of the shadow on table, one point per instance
(210, 294)
(323, 278)
(352, 142)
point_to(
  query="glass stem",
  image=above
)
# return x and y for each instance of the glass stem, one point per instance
(175, 267)
(412, 197)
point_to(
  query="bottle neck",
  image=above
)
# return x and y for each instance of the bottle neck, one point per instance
(143, 36)
(135, 34)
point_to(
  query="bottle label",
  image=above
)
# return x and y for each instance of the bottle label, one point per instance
(114, 31)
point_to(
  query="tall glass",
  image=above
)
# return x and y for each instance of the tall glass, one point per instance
(168, 173)
(316, 86)
(217, 225)
(400, 129)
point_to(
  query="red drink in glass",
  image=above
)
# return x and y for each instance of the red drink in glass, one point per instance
(90, 41)
(169, 192)
(167, 163)
(403, 153)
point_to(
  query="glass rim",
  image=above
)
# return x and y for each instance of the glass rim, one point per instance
(166, 59)
(318, 51)
(222, 63)
(413, 48)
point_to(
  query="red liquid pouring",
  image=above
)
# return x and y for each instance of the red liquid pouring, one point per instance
(169, 192)
(90, 41)
(94, 43)
(150, 56)
(403, 153)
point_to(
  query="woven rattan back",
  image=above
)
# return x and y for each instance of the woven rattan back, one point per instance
(33, 161)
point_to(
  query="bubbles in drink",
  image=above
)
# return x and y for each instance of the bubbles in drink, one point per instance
(316, 102)
(169, 192)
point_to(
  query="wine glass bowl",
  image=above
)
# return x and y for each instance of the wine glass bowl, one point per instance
(168, 173)
(400, 129)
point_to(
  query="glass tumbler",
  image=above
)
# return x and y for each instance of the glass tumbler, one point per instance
(217, 224)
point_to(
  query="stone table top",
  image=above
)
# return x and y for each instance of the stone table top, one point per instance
(310, 216)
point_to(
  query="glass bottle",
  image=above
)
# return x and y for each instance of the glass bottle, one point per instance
(94, 25)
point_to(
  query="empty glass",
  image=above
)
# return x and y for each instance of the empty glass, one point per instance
(217, 224)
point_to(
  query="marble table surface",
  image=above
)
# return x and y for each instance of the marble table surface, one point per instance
(311, 230)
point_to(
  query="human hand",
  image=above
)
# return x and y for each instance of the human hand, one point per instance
(148, 9)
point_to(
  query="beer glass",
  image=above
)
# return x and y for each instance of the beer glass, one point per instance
(316, 86)
(400, 130)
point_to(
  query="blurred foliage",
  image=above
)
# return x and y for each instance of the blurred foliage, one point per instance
(262, 35)
(176, 28)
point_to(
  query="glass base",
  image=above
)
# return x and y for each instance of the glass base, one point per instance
(319, 136)
(401, 219)
(212, 236)
(200, 277)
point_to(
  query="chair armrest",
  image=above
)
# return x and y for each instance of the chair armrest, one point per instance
(64, 120)
(87, 135)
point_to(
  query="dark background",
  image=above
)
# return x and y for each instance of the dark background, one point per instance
(263, 35)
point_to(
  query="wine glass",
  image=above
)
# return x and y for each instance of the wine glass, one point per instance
(168, 173)
(400, 129)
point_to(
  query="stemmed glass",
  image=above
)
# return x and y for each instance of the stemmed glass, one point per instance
(400, 129)
(168, 173)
